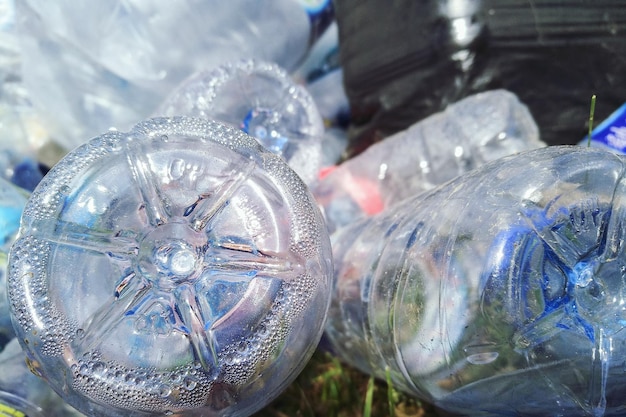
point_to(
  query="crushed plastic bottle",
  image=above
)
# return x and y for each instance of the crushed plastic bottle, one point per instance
(12, 202)
(467, 134)
(97, 65)
(22, 394)
(179, 269)
(261, 99)
(498, 293)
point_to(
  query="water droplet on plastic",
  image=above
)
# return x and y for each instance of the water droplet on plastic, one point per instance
(190, 383)
(84, 369)
(98, 368)
(165, 391)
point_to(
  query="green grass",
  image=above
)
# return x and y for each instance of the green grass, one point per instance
(592, 110)
(329, 388)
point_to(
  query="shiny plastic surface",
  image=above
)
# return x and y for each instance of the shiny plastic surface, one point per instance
(12, 202)
(467, 134)
(499, 293)
(178, 269)
(262, 100)
(23, 394)
(94, 65)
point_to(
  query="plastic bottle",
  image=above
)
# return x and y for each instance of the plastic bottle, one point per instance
(12, 201)
(468, 133)
(498, 293)
(18, 142)
(178, 269)
(261, 99)
(24, 394)
(109, 64)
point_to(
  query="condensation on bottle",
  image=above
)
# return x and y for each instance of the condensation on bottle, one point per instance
(470, 132)
(261, 99)
(22, 392)
(96, 65)
(500, 293)
(177, 269)
(12, 202)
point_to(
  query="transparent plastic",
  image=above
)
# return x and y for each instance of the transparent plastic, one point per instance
(12, 202)
(467, 134)
(329, 96)
(23, 394)
(178, 269)
(21, 138)
(261, 99)
(15, 381)
(499, 293)
(96, 65)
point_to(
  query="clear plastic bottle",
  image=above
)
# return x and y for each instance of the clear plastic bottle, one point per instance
(467, 134)
(109, 64)
(178, 269)
(499, 293)
(22, 394)
(261, 99)
(12, 202)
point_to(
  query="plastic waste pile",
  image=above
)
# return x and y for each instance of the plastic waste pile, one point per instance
(181, 223)
(127, 56)
(227, 288)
